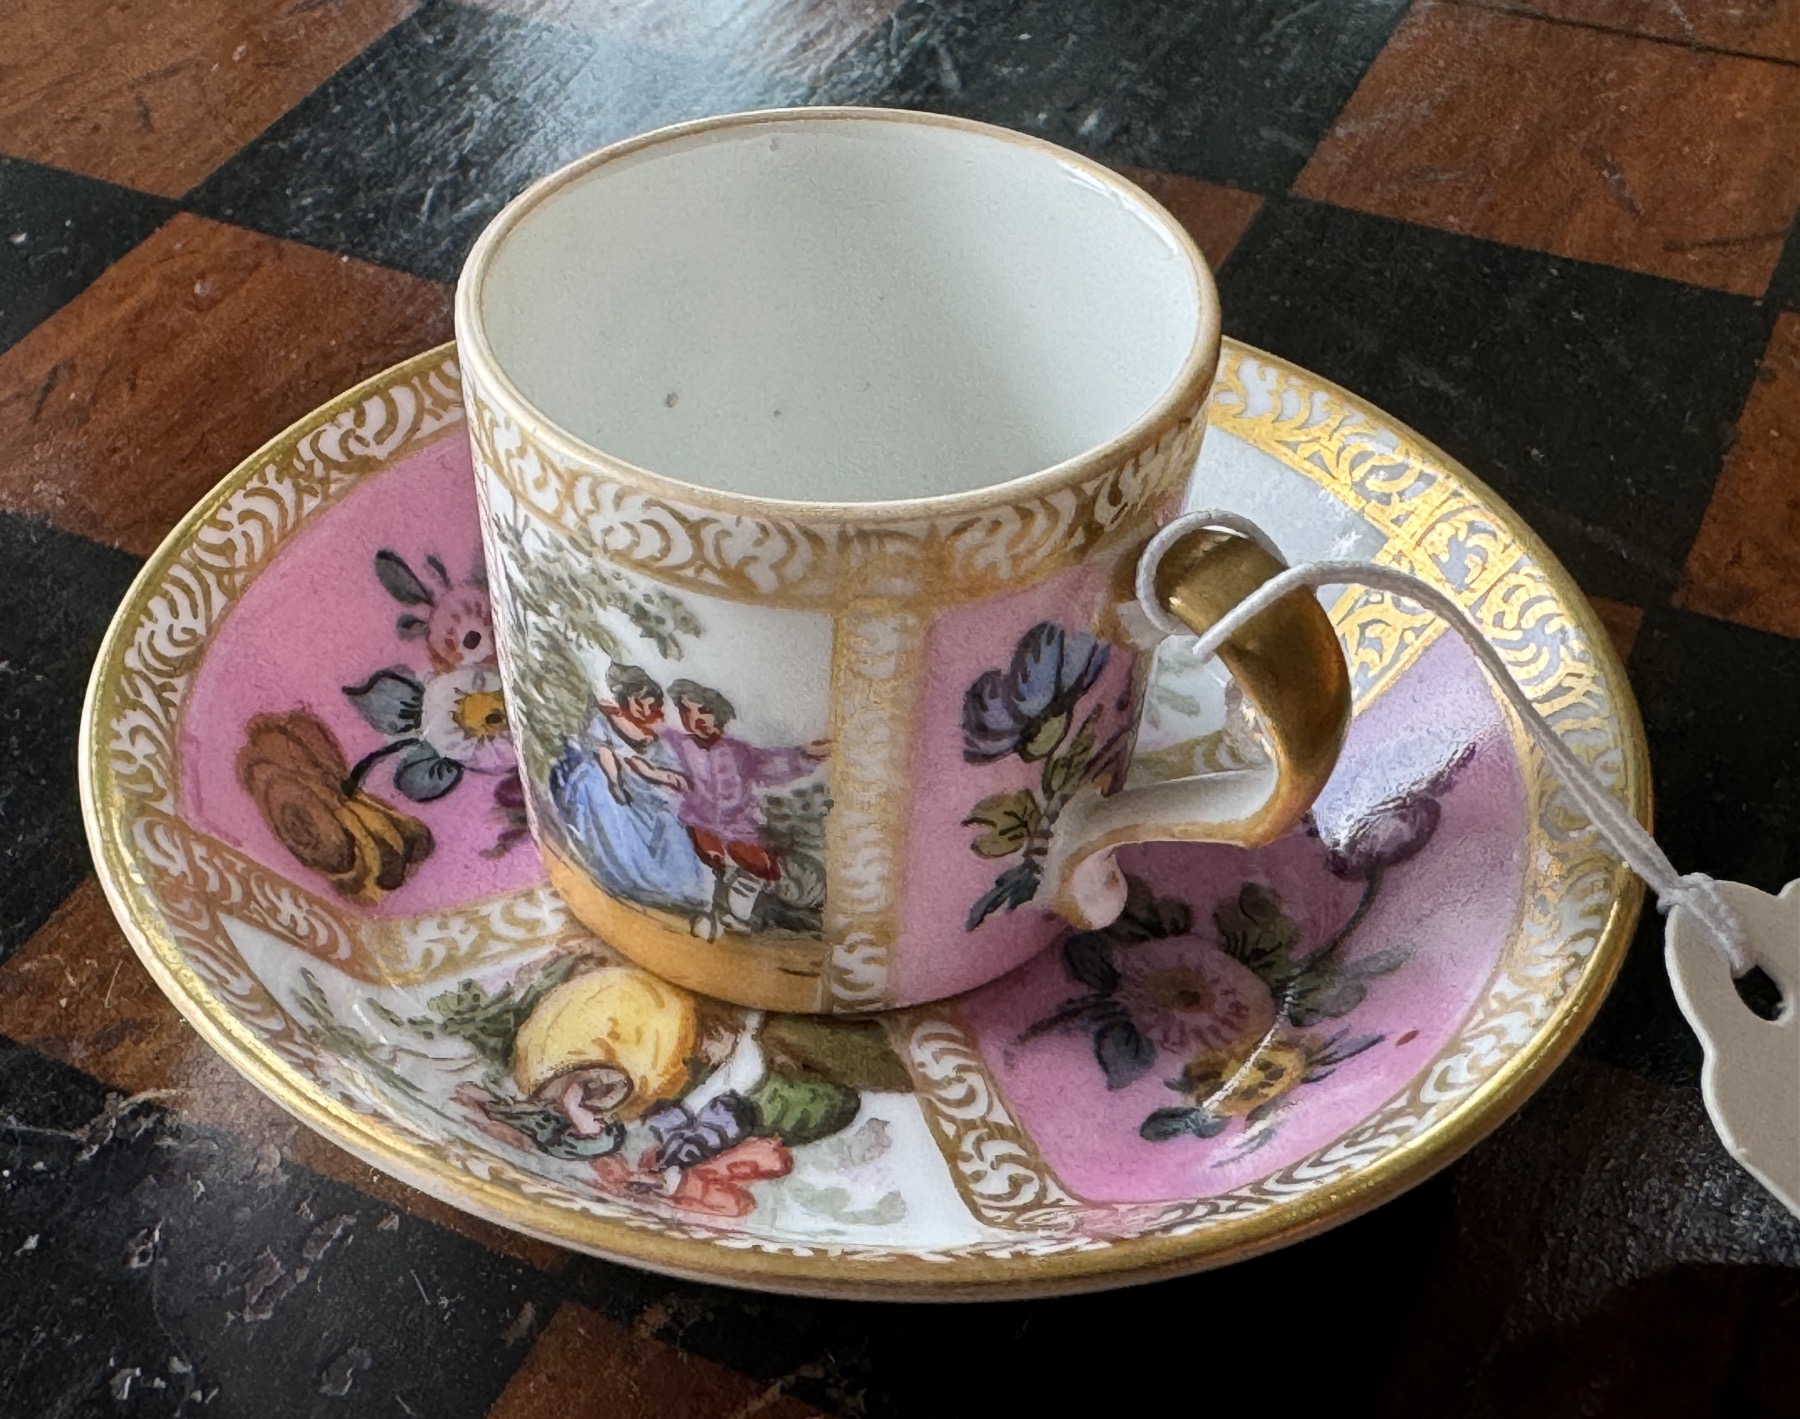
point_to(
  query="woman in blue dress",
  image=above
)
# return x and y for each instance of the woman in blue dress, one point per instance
(616, 795)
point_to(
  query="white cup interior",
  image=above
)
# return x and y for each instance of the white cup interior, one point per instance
(842, 309)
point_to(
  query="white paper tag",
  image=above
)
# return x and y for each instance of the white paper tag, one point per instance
(1751, 1078)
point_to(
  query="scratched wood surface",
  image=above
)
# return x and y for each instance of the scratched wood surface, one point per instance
(1557, 236)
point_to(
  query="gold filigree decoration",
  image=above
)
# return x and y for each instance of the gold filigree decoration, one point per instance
(397, 951)
(1575, 891)
(788, 561)
(173, 888)
(1002, 1176)
(231, 540)
(877, 650)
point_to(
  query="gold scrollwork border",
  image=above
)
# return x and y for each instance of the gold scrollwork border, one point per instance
(221, 550)
(877, 650)
(382, 951)
(1546, 990)
(1441, 525)
(786, 561)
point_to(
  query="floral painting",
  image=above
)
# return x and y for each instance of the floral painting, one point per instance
(1036, 709)
(435, 725)
(294, 769)
(451, 720)
(1243, 1016)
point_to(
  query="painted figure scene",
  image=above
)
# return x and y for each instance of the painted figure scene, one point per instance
(670, 810)
(633, 1089)
(387, 928)
(655, 762)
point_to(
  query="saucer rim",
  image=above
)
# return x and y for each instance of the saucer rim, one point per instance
(816, 1271)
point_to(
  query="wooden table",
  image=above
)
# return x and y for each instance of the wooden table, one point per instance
(1554, 235)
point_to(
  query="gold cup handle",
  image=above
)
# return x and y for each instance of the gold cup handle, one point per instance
(1290, 667)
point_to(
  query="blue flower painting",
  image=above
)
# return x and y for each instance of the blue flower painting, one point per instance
(1032, 710)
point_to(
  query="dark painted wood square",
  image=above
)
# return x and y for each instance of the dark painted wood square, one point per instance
(1236, 91)
(150, 1267)
(58, 232)
(1784, 285)
(1598, 402)
(64, 589)
(403, 155)
(865, 1359)
(1605, 1257)
(793, 39)
(585, 1364)
(1716, 700)
(1717, 704)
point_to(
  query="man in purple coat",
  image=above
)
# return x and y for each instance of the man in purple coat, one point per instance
(721, 777)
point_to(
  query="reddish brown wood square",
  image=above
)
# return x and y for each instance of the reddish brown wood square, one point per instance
(1622, 621)
(1745, 564)
(584, 1364)
(76, 992)
(119, 411)
(1569, 140)
(1766, 27)
(155, 94)
(1215, 216)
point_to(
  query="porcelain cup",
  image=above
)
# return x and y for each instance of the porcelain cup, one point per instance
(816, 450)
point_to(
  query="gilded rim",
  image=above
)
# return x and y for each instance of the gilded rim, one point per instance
(1189, 386)
(818, 1272)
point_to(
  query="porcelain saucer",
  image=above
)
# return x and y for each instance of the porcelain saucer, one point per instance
(348, 909)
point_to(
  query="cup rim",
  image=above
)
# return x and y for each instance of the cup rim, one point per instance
(1185, 392)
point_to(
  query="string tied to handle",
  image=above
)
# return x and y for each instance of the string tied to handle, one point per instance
(1611, 820)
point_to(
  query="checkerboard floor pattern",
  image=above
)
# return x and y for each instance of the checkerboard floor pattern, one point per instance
(1557, 236)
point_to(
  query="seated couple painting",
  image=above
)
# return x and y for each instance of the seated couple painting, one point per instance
(685, 820)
